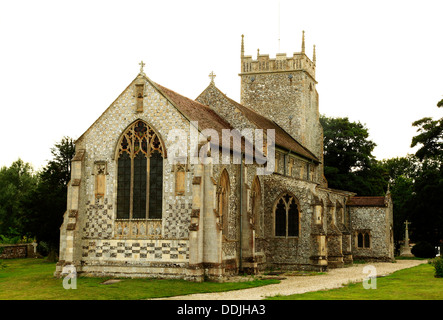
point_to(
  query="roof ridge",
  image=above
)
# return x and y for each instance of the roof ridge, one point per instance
(224, 123)
(306, 149)
(261, 116)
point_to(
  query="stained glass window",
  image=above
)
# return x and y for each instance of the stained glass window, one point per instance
(139, 148)
(124, 186)
(155, 186)
(139, 189)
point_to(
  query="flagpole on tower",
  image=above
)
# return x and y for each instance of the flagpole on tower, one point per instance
(279, 26)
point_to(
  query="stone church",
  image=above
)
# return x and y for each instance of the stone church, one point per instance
(132, 212)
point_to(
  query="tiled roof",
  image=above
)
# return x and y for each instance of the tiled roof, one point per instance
(206, 117)
(366, 202)
(282, 138)
(195, 111)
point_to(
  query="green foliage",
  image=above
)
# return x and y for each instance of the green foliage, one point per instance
(346, 145)
(437, 263)
(402, 172)
(15, 239)
(426, 211)
(416, 181)
(32, 204)
(16, 184)
(430, 138)
(423, 249)
(58, 171)
(47, 202)
(43, 248)
(349, 163)
(405, 167)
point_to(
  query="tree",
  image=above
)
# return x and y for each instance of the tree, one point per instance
(58, 170)
(16, 184)
(402, 172)
(48, 201)
(425, 204)
(349, 163)
(406, 167)
(430, 137)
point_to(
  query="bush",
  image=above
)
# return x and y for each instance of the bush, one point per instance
(43, 248)
(9, 240)
(15, 239)
(438, 265)
(423, 250)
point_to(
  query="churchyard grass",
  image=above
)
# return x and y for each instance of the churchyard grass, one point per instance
(32, 279)
(417, 283)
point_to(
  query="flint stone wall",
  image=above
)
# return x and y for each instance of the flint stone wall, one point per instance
(376, 220)
(16, 251)
(100, 142)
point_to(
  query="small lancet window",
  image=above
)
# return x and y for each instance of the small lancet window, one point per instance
(224, 191)
(364, 239)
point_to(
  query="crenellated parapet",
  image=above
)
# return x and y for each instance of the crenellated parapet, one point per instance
(299, 61)
(281, 63)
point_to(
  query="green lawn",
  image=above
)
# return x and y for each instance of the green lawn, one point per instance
(417, 283)
(32, 279)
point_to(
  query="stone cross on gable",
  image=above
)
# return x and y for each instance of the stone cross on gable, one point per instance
(212, 76)
(142, 64)
(407, 223)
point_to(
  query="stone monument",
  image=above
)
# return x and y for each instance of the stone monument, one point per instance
(405, 251)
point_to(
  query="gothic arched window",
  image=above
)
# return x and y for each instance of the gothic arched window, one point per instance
(140, 173)
(223, 202)
(256, 205)
(286, 215)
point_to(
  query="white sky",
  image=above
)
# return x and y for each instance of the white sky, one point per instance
(62, 63)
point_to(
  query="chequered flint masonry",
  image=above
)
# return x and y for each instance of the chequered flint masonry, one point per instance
(149, 250)
(177, 220)
(99, 222)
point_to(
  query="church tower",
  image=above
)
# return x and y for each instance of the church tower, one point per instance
(283, 89)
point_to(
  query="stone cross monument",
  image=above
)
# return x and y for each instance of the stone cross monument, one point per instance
(405, 251)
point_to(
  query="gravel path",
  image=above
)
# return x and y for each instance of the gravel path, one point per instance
(334, 278)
